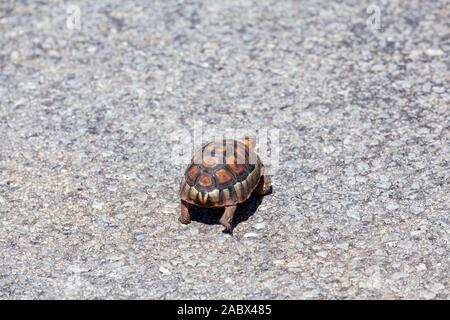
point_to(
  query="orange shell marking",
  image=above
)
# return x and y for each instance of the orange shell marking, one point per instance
(192, 173)
(237, 168)
(209, 162)
(205, 180)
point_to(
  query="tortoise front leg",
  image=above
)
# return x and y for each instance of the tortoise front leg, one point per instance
(185, 217)
(227, 217)
(263, 186)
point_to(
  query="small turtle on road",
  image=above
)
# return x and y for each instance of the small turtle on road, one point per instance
(222, 173)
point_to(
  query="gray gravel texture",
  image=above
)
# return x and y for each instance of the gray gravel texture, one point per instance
(88, 192)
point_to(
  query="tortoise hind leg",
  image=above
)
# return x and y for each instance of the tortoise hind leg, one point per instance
(227, 217)
(185, 217)
(263, 186)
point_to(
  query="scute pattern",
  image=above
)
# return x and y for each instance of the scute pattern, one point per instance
(221, 173)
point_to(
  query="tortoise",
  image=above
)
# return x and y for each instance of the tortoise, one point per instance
(222, 173)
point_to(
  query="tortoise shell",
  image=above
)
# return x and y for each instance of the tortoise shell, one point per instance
(221, 173)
